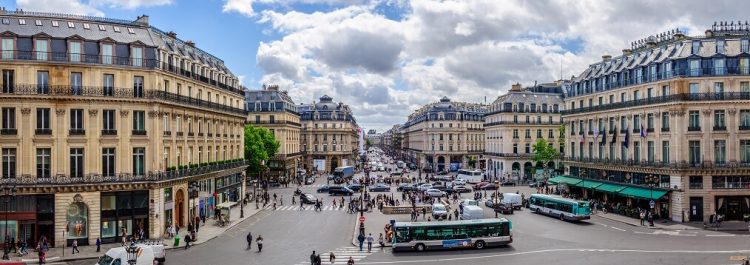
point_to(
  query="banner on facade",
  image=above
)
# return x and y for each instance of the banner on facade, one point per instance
(344, 162)
(319, 164)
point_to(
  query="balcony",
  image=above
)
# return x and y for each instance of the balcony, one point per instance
(167, 133)
(674, 98)
(650, 130)
(210, 135)
(694, 128)
(665, 129)
(720, 128)
(623, 130)
(591, 133)
(744, 127)
(191, 134)
(77, 132)
(9, 131)
(179, 134)
(120, 93)
(173, 173)
(636, 130)
(139, 132)
(200, 134)
(695, 185)
(109, 132)
(43, 131)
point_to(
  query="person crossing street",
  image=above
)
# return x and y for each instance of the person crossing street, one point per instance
(249, 239)
(369, 242)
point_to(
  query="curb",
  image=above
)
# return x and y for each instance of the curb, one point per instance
(217, 235)
(649, 227)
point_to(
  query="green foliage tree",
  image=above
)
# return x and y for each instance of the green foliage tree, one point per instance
(472, 161)
(260, 144)
(544, 152)
(368, 142)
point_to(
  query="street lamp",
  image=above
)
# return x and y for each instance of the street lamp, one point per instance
(7, 193)
(132, 252)
(242, 195)
(651, 181)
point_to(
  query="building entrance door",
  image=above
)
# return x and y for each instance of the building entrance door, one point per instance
(179, 206)
(696, 209)
(733, 208)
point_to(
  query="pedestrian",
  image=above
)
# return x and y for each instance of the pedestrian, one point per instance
(197, 220)
(350, 261)
(301, 204)
(294, 200)
(361, 239)
(332, 257)
(380, 240)
(75, 247)
(424, 212)
(312, 258)
(98, 244)
(369, 242)
(187, 241)
(249, 239)
(281, 200)
(643, 217)
(259, 241)
(13, 245)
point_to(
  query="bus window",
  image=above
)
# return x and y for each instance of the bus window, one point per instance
(566, 208)
(402, 235)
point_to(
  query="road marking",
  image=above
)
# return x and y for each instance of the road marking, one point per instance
(618, 229)
(721, 235)
(563, 250)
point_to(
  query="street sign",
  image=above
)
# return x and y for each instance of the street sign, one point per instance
(651, 203)
(361, 219)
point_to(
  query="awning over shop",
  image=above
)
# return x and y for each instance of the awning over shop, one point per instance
(651, 194)
(226, 205)
(588, 184)
(564, 179)
(606, 187)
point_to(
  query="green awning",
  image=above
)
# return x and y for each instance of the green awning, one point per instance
(588, 184)
(651, 194)
(606, 187)
(564, 179)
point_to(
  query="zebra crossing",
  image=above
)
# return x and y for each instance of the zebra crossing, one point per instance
(307, 207)
(342, 255)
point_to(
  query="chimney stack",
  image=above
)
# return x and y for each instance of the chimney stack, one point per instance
(190, 43)
(516, 87)
(172, 34)
(606, 58)
(142, 20)
(626, 52)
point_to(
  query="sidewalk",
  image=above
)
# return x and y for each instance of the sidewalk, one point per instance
(205, 233)
(375, 223)
(736, 226)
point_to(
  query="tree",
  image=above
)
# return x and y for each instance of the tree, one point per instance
(368, 142)
(472, 161)
(544, 152)
(260, 144)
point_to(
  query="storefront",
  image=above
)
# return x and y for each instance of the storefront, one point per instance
(202, 198)
(228, 188)
(25, 215)
(124, 214)
(733, 208)
(168, 206)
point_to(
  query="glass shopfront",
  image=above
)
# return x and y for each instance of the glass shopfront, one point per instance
(124, 214)
(76, 220)
(228, 188)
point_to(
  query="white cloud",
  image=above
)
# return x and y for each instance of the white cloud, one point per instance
(59, 6)
(129, 4)
(466, 50)
(244, 7)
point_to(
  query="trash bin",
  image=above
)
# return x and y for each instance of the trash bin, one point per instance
(177, 240)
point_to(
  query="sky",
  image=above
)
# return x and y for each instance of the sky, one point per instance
(386, 58)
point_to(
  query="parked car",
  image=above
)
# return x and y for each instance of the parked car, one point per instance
(536, 184)
(323, 189)
(459, 182)
(439, 211)
(406, 187)
(425, 187)
(461, 189)
(442, 188)
(499, 206)
(380, 187)
(479, 185)
(488, 186)
(444, 177)
(508, 183)
(355, 187)
(339, 190)
(435, 193)
(308, 198)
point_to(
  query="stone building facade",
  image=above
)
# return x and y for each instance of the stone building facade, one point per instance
(329, 136)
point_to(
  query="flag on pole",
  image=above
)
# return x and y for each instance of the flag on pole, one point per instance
(643, 131)
(583, 137)
(627, 136)
(614, 136)
(596, 135)
(604, 138)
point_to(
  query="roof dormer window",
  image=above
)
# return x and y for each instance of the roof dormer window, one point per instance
(86, 26)
(696, 48)
(55, 23)
(102, 28)
(117, 29)
(6, 21)
(38, 22)
(71, 25)
(720, 46)
(744, 43)
(131, 31)
(21, 21)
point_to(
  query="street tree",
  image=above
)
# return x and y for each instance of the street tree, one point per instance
(260, 145)
(544, 152)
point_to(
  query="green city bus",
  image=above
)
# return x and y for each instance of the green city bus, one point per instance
(563, 208)
(477, 233)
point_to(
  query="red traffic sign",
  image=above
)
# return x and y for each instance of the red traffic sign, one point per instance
(361, 219)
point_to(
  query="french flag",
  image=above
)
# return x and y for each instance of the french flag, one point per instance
(643, 132)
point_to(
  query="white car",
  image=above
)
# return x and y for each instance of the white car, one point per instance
(435, 193)
(425, 187)
(459, 182)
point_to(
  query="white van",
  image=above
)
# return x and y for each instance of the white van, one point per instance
(472, 212)
(513, 200)
(149, 255)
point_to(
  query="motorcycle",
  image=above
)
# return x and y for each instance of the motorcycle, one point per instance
(297, 192)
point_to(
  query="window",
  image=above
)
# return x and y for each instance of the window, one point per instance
(719, 46)
(116, 28)
(76, 83)
(719, 120)
(745, 88)
(636, 123)
(9, 121)
(744, 66)
(665, 91)
(42, 82)
(41, 49)
(744, 45)
(139, 122)
(139, 161)
(76, 122)
(695, 88)
(108, 122)
(515, 133)
(650, 151)
(166, 124)
(744, 119)
(650, 122)
(694, 121)
(696, 47)
(528, 134)
(71, 24)
(108, 84)
(665, 121)
(719, 87)
(21, 21)
(102, 28)
(9, 162)
(696, 182)
(137, 56)
(8, 48)
(108, 162)
(694, 152)
(74, 53)
(107, 53)
(76, 162)
(55, 23)
(6, 21)
(745, 151)
(131, 31)
(550, 134)
(665, 151)
(720, 152)
(719, 67)
(527, 148)
(8, 83)
(637, 151)
(86, 26)
(42, 121)
(694, 67)
(538, 133)
(43, 161)
(138, 86)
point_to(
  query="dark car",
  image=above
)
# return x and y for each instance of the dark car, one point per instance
(307, 198)
(488, 186)
(499, 206)
(323, 189)
(380, 187)
(406, 187)
(442, 188)
(461, 189)
(355, 187)
(508, 183)
(479, 185)
(338, 190)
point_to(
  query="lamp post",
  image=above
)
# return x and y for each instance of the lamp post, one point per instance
(132, 252)
(7, 193)
(242, 195)
(651, 181)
